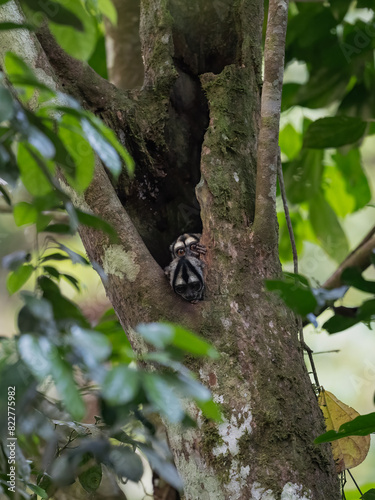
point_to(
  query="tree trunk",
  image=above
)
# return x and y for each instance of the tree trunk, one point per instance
(195, 126)
(123, 47)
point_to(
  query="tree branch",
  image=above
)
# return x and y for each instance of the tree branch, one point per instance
(359, 257)
(80, 80)
(136, 284)
(265, 223)
(123, 46)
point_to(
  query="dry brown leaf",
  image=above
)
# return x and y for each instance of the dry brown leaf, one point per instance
(348, 452)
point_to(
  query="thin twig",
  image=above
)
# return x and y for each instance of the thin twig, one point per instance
(265, 221)
(287, 214)
(308, 350)
(57, 216)
(326, 352)
(310, 353)
(354, 481)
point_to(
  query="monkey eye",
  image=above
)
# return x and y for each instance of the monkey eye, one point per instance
(193, 246)
(181, 252)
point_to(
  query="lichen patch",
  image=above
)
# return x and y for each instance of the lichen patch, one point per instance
(118, 262)
(237, 479)
(231, 431)
(292, 491)
(259, 493)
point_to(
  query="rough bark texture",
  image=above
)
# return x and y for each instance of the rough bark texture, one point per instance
(196, 122)
(268, 149)
(123, 46)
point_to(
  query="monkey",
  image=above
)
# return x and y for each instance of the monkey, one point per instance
(187, 244)
(185, 272)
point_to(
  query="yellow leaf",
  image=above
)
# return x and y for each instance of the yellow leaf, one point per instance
(348, 452)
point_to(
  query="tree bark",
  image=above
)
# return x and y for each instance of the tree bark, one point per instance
(196, 123)
(123, 46)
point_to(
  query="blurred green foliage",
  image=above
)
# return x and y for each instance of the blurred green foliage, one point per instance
(57, 357)
(325, 182)
(323, 170)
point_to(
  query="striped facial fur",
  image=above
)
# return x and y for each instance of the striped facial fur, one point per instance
(185, 272)
(187, 244)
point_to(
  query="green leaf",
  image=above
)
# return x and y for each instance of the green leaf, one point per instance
(369, 495)
(56, 12)
(15, 26)
(6, 105)
(106, 152)
(162, 467)
(24, 213)
(42, 221)
(64, 310)
(210, 410)
(38, 490)
(333, 132)
(81, 152)
(335, 190)
(121, 385)
(90, 344)
(62, 375)
(91, 478)
(360, 426)
(98, 60)
(41, 143)
(62, 155)
(160, 393)
(110, 136)
(302, 232)
(303, 176)
(107, 8)
(40, 308)
(33, 178)
(18, 278)
(190, 387)
(43, 359)
(338, 323)
(37, 353)
(290, 141)
(58, 228)
(327, 228)
(295, 293)
(75, 257)
(353, 276)
(189, 342)
(55, 256)
(79, 44)
(126, 463)
(350, 165)
(20, 74)
(94, 221)
(289, 93)
(325, 85)
(52, 271)
(164, 334)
